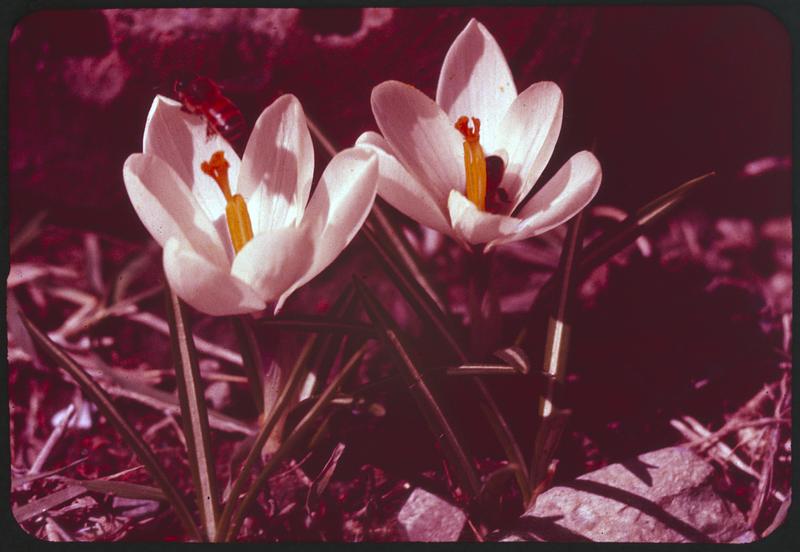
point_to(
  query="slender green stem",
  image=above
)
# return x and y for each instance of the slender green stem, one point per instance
(251, 358)
(415, 294)
(600, 250)
(441, 428)
(551, 418)
(426, 308)
(291, 443)
(318, 324)
(405, 254)
(193, 414)
(288, 394)
(484, 310)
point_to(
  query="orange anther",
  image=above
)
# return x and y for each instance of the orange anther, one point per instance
(470, 134)
(217, 168)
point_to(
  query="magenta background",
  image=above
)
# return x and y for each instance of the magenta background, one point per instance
(661, 93)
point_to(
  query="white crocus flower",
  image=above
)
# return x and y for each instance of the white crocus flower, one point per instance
(463, 164)
(238, 234)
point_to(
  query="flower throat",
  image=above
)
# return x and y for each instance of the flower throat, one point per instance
(239, 226)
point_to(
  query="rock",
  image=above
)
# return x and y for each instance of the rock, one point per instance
(663, 496)
(427, 518)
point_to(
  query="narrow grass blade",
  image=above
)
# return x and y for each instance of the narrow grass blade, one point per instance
(428, 311)
(317, 324)
(482, 370)
(492, 488)
(440, 427)
(103, 402)
(55, 435)
(131, 270)
(290, 390)
(506, 439)
(416, 296)
(623, 234)
(295, 378)
(206, 347)
(194, 414)
(27, 233)
(16, 329)
(292, 442)
(516, 357)
(119, 488)
(399, 244)
(548, 436)
(320, 482)
(331, 344)
(20, 480)
(602, 249)
(39, 506)
(556, 349)
(251, 359)
(119, 382)
(323, 140)
(94, 263)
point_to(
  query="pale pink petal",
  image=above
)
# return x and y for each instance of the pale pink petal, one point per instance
(340, 205)
(475, 81)
(562, 197)
(400, 189)
(476, 226)
(167, 207)
(274, 260)
(421, 136)
(180, 139)
(277, 166)
(527, 137)
(205, 286)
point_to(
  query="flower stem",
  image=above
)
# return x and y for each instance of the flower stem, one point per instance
(420, 295)
(482, 304)
(291, 443)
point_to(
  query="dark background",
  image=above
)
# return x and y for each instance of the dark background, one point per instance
(661, 94)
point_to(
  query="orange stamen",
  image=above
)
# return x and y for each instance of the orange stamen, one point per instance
(217, 168)
(474, 161)
(236, 214)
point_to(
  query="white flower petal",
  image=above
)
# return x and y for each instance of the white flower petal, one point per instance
(528, 134)
(278, 165)
(274, 260)
(206, 287)
(180, 139)
(421, 136)
(340, 205)
(167, 208)
(475, 81)
(476, 226)
(400, 189)
(564, 195)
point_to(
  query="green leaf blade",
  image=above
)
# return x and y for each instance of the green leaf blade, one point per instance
(194, 415)
(429, 406)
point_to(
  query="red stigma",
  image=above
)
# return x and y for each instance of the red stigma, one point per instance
(470, 134)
